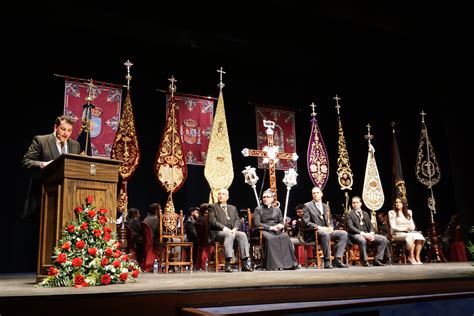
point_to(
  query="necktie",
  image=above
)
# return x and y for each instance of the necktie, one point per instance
(360, 217)
(63, 148)
(224, 207)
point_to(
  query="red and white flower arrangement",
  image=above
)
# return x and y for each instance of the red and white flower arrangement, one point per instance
(88, 253)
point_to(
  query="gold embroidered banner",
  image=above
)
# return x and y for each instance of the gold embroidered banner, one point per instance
(125, 147)
(219, 171)
(170, 164)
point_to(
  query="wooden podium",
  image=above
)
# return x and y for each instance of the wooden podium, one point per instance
(67, 181)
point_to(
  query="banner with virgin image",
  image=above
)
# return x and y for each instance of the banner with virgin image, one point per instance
(107, 101)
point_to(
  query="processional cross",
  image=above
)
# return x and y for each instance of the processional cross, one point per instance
(270, 155)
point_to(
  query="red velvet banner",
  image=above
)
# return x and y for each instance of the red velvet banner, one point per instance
(195, 120)
(284, 134)
(105, 115)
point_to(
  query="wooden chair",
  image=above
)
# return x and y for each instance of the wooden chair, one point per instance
(312, 252)
(256, 242)
(216, 252)
(353, 257)
(172, 238)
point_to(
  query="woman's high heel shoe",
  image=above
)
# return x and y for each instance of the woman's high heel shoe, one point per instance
(412, 261)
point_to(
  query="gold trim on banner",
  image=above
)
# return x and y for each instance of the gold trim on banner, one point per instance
(219, 171)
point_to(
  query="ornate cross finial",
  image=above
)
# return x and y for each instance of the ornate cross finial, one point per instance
(422, 116)
(393, 126)
(221, 72)
(337, 103)
(90, 88)
(172, 85)
(313, 106)
(368, 136)
(129, 65)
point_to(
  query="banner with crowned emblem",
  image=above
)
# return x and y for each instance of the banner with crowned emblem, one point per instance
(107, 101)
(284, 134)
(195, 124)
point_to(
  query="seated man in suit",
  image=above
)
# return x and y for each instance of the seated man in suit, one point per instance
(316, 215)
(224, 224)
(361, 231)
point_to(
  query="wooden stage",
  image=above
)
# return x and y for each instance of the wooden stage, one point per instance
(304, 291)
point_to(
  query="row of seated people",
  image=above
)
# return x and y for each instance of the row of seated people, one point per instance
(223, 224)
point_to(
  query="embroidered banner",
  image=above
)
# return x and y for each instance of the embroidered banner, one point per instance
(195, 124)
(398, 183)
(317, 155)
(170, 163)
(105, 116)
(427, 168)
(219, 170)
(125, 147)
(283, 137)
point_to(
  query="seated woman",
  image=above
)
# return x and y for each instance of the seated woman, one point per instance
(279, 250)
(402, 227)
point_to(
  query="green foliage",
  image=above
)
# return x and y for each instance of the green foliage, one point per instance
(88, 253)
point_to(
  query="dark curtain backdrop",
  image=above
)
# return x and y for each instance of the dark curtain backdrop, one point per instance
(382, 75)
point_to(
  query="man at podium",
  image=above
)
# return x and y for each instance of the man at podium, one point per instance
(44, 149)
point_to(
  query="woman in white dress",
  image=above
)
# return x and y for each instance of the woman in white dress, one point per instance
(402, 227)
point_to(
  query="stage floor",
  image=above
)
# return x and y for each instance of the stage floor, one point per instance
(201, 289)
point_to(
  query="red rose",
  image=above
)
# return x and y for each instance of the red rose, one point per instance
(117, 244)
(116, 264)
(89, 200)
(91, 213)
(61, 258)
(96, 232)
(103, 211)
(104, 262)
(123, 277)
(107, 229)
(52, 271)
(117, 253)
(80, 244)
(135, 274)
(125, 257)
(84, 226)
(105, 279)
(92, 251)
(106, 237)
(102, 220)
(78, 210)
(79, 280)
(66, 246)
(77, 262)
(108, 252)
(70, 228)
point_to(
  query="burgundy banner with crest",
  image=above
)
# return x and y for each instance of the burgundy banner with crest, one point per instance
(105, 116)
(284, 134)
(195, 121)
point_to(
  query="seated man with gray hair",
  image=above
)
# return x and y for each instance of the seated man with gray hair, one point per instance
(224, 223)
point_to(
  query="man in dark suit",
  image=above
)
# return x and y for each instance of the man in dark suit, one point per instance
(224, 224)
(44, 149)
(317, 216)
(361, 231)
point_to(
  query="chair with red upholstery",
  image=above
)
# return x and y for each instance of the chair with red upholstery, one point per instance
(150, 250)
